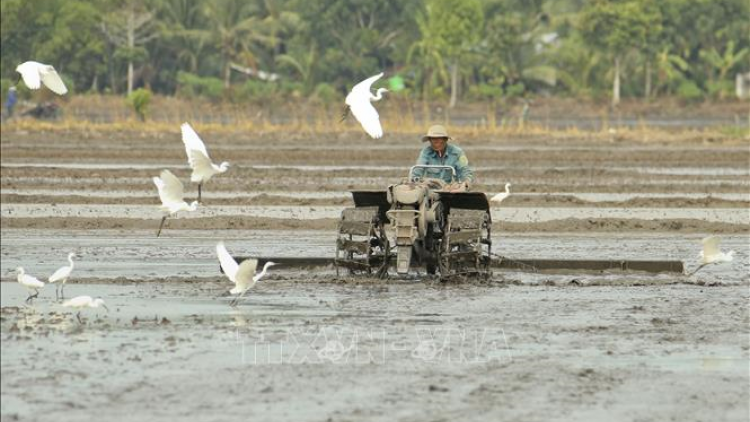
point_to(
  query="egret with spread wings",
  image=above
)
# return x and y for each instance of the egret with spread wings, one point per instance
(198, 159)
(171, 193)
(242, 275)
(35, 74)
(359, 102)
(711, 253)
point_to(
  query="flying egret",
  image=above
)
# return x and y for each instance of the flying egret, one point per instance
(198, 159)
(30, 282)
(171, 193)
(711, 253)
(242, 275)
(62, 275)
(359, 103)
(502, 195)
(35, 73)
(80, 302)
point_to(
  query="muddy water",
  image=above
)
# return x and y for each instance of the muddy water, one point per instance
(511, 215)
(310, 345)
(190, 254)
(408, 351)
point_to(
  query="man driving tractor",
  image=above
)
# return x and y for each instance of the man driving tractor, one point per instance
(440, 153)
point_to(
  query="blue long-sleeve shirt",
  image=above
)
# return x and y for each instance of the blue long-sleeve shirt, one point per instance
(12, 99)
(452, 156)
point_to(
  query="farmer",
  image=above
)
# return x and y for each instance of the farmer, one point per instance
(10, 103)
(440, 152)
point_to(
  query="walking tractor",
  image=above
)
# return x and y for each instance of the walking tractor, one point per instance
(418, 223)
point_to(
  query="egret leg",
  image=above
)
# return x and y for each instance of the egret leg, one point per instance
(236, 300)
(345, 114)
(163, 219)
(62, 291)
(696, 270)
(199, 191)
(36, 294)
(57, 296)
(78, 316)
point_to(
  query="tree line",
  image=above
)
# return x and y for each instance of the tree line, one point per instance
(452, 50)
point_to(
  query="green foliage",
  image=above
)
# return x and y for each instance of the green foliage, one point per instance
(689, 91)
(486, 92)
(720, 89)
(139, 101)
(484, 48)
(617, 26)
(326, 93)
(516, 90)
(457, 23)
(5, 84)
(191, 86)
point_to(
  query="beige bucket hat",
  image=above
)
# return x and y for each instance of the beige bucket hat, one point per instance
(436, 131)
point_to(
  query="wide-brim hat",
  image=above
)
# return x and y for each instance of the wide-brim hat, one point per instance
(436, 131)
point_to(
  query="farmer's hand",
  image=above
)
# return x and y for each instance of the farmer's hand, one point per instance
(459, 187)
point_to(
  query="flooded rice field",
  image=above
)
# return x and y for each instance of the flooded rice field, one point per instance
(310, 344)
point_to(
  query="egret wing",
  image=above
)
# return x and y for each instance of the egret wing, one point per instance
(53, 81)
(228, 264)
(192, 142)
(170, 188)
(711, 246)
(30, 73)
(77, 302)
(200, 163)
(367, 117)
(60, 274)
(363, 88)
(499, 197)
(246, 272)
(31, 281)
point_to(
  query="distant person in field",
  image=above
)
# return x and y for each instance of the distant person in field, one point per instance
(10, 103)
(440, 153)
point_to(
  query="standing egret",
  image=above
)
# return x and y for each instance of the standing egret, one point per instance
(35, 73)
(80, 302)
(62, 275)
(502, 195)
(242, 275)
(198, 159)
(171, 193)
(31, 283)
(711, 253)
(359, 103)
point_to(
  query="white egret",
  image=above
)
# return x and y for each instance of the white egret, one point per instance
(502, 195)
(171, 193)
(35, 73)
(198, 159)
(711, 253)
(359, 103)
(242, 275)
(80, 302)
(31, 283)
(62, 274)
